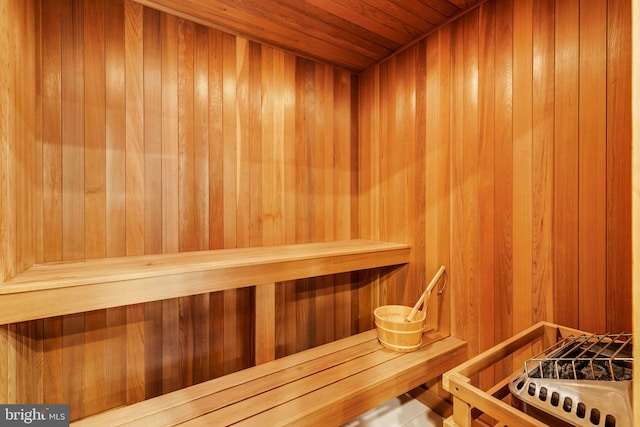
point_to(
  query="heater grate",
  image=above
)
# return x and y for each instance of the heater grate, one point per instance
(581, 381)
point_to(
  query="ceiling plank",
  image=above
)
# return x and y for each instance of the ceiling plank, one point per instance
(351, 34)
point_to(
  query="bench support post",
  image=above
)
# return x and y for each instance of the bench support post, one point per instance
(265, 323)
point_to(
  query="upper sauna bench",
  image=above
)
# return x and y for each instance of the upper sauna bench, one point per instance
(56, 289)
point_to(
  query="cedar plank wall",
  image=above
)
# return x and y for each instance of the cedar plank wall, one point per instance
(517, 117)
(17, 136)
(492, 146)
(18, 163)
(159, 135)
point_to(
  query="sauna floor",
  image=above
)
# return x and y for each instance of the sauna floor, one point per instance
(403, 411)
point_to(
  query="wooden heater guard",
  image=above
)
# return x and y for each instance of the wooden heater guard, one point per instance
(469, 402)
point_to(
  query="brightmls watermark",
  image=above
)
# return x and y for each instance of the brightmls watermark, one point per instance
(34, 415)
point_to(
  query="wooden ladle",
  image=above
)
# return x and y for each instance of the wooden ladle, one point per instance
(425, 295)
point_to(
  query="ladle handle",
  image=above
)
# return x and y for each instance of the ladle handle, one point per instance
(425, 294)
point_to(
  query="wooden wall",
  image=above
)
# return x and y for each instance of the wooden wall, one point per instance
(504, 146)
(18, 165)
(635, 166)
(497, 146)
(174, 137)
(158, 135)
(17, 136)
(400, 198)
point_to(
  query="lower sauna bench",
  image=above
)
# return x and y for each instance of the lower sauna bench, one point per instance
(326, 385)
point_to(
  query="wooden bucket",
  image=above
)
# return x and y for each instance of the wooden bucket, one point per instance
(394, 332)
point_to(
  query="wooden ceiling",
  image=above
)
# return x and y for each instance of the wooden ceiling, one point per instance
(352, 34)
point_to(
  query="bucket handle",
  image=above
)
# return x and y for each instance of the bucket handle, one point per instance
(426, 294)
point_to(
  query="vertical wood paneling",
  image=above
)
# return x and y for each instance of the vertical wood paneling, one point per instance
(95, 374)
(368, 116)
(290, 138)
(229, 140)
(74, 361)
(12, 362)
(94, 122)
(134, 138)
(186, 137)
(285, 293)
(209, 140)
(254, 138)
(422, 273)
(230, 191)
(201, 213)
(36, 209)
(592, 158)
(153, 349)
(543, 148)
(170, 164)
(386, 91)
(134, 185)
(323, 223)
(304, 122)
(4, 361)
(470, 174)
(245, 330)
(344, 123)
(52, 360)
(96, 356)
(272, 149)
(503, 245)
(367, 295)
(170, 345)
(135, 355)
(216, 335)
(201, 137)
(37, 344)
(115, 223)
(369, 183)
(247, 98)
(21, 363)
(152, 132)
(201, 366)
(11, 366)
(159, 124)
(216, 194)
(458, 311)
(243, 129)
(73, 106)
(216, 184)
(522, 168)
(116, 357)
(185, 341)
(528, 132)
(442, 104)
(395, 137)
(51, 133)
(565, 183)
(115, 132)
(7, 76)
(635, 187)
(25, 134)
(354, 137)
(345, 133)
(619, 167)
(486, 179)
(414, 196)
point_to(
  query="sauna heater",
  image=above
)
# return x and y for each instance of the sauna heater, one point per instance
(579, 381)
